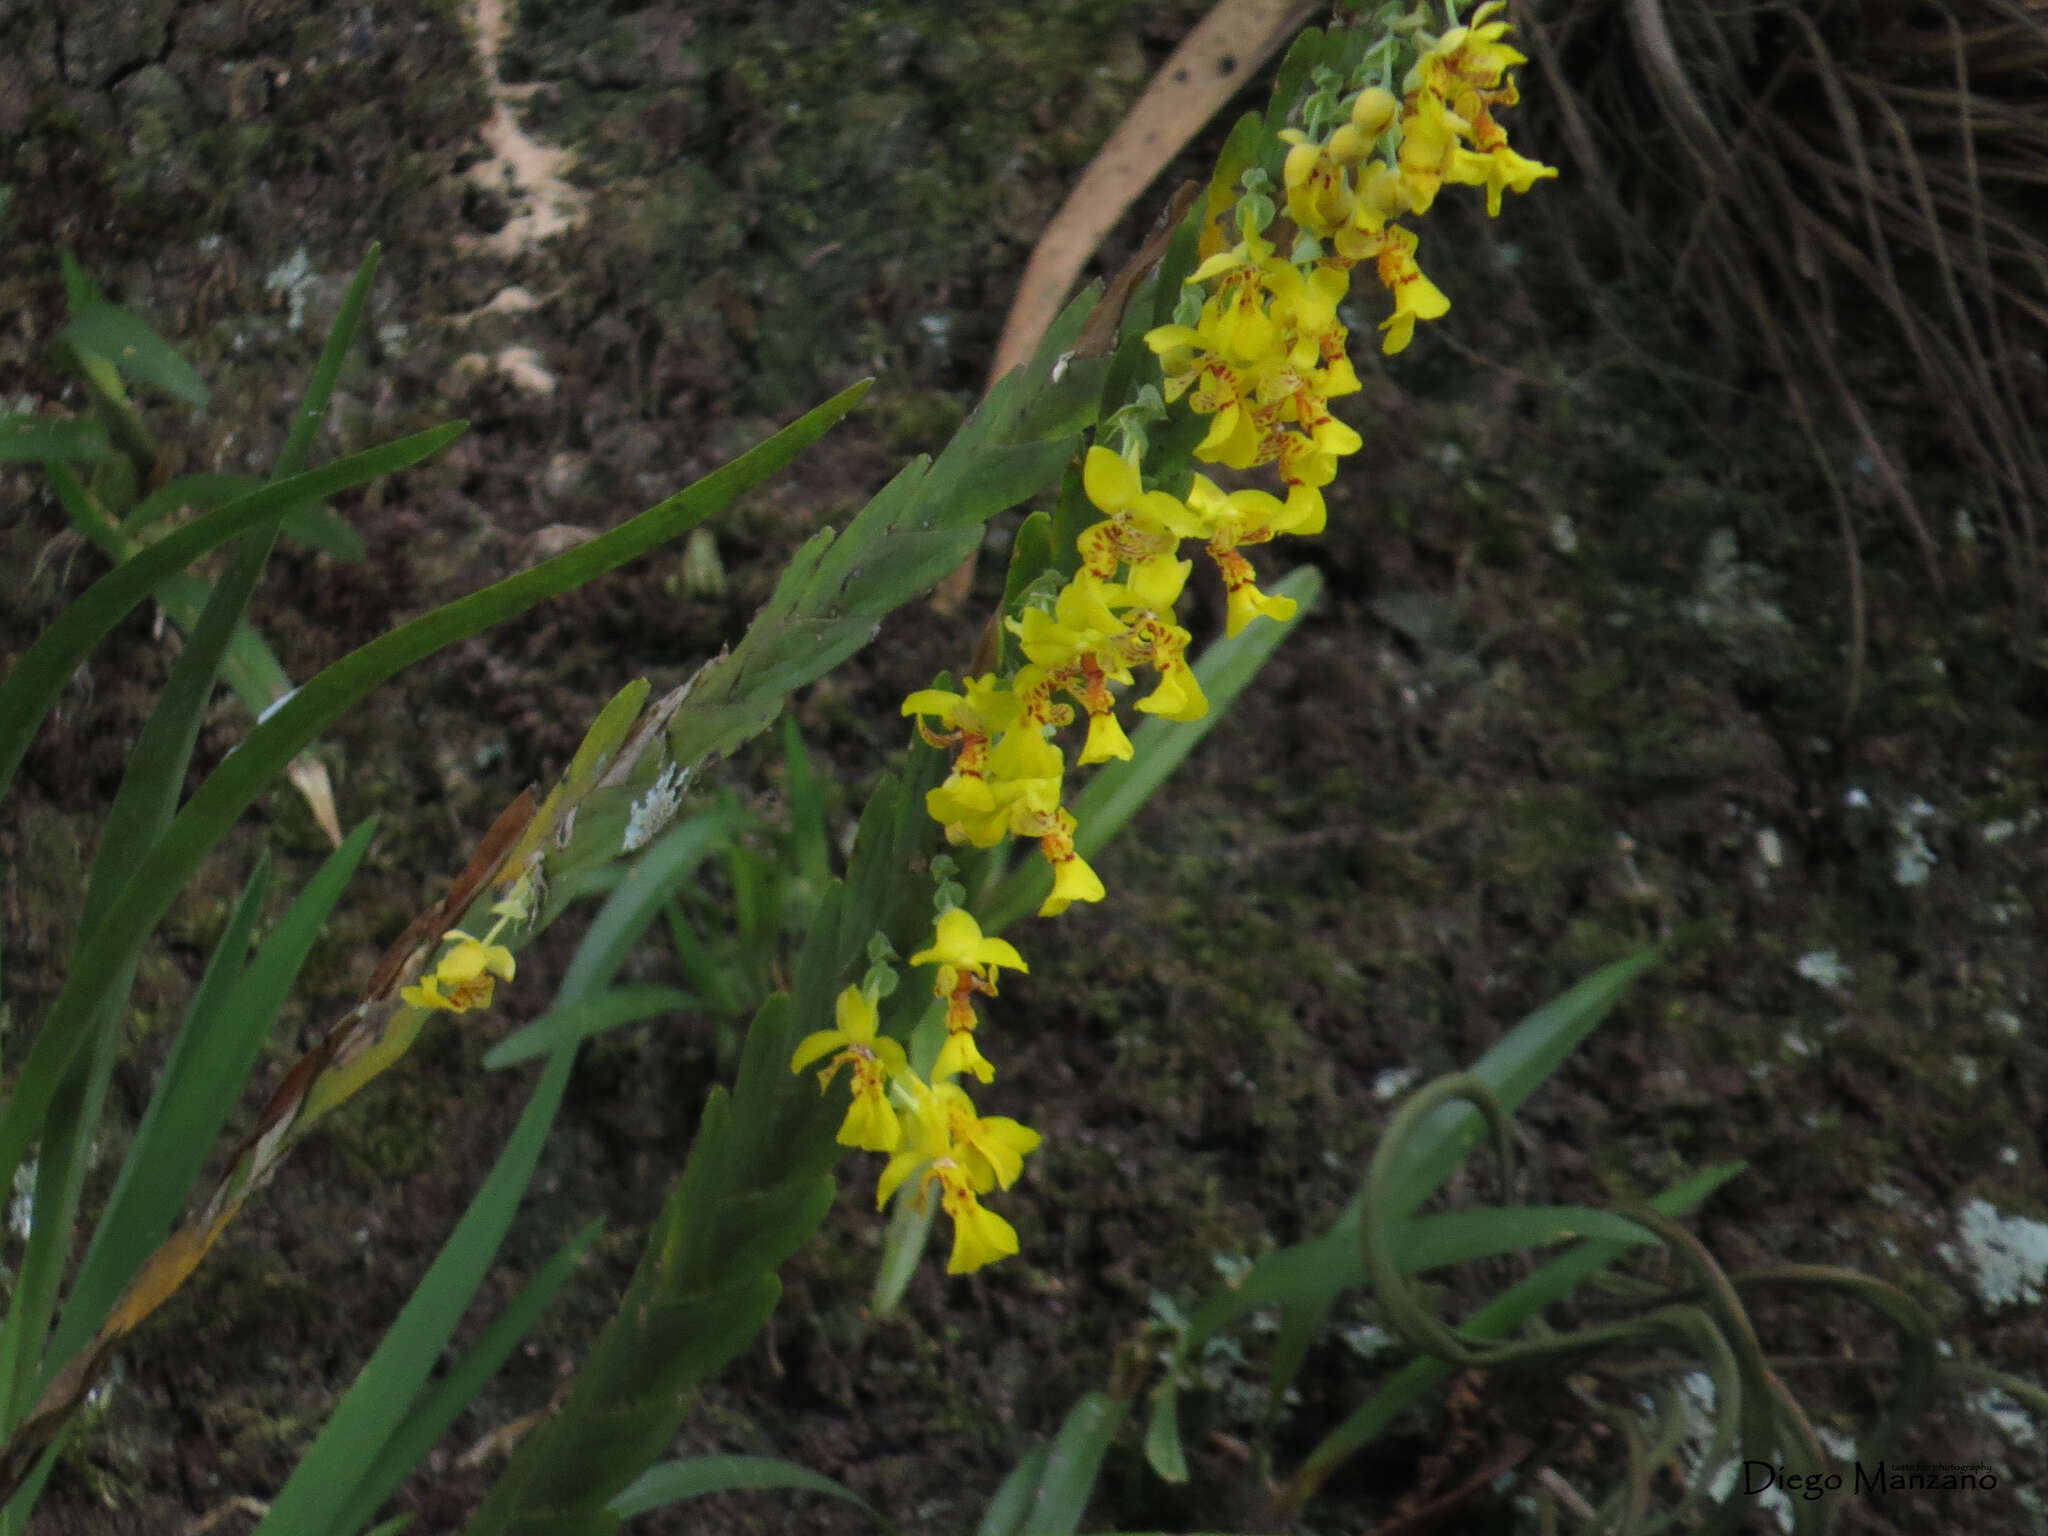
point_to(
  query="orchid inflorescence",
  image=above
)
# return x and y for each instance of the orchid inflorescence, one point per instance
(1257, 345)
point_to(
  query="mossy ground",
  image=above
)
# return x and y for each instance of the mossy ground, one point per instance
(1577, 682)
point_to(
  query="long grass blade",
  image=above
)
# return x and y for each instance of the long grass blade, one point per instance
(572, 1023)
(142, 808)
(671, 1482)
(1006, 1510)
(320, 388)
(1513, 1068)
(430, 1417)
(35, 437)
(1068, 1477)
(124, 339)
(201, 1083)
(40, 675)
(374, 1408)
(234, 785)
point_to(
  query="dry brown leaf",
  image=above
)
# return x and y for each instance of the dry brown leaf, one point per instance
(1204, 72)
(309, 777)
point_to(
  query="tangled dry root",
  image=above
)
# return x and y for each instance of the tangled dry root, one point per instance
(1802, 175)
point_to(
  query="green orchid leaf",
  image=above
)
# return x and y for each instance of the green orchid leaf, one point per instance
(37, 437)
(126, 340)
(671, 1482)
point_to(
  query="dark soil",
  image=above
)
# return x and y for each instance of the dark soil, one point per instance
(1577, 682)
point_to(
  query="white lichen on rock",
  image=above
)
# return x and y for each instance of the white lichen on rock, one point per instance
(1824, 968)
(295, 278)
(2006, 1255)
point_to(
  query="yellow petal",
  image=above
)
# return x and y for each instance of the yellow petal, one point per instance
(1109, 479)
(960, 1053)
(870, 1125)
(899, 1168)
(1106, 738)
(854, 1012)
(1072, 881)
(980, 1236)
(820, 1043)
(933, 701)
(1248, 602)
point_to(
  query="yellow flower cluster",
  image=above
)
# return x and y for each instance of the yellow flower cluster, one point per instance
(1263, 352)
(1114, 617)
(1268, 352)
(932, 1129)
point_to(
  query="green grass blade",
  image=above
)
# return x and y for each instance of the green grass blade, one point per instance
(1305, 1279)
(636, 903)
(1005, 1512)
(34, 437)
(324, 529)
(101, 378)
(572, 1023)
(250, 667)
(142, 808)
(377, 1404)
(430, 1417)
(71, 1116)
(79, 288)
(234, 785)
(1518, 1062)
(156, 768)
(1119, 790)
(124, 339)
(806, 810)
(40, 675)
(697, 964)
(201, 1083)
(1069, 1474)
(1163, 1453)
(670, 1482)
(320, 389)
(202, 492)
(910, 1232)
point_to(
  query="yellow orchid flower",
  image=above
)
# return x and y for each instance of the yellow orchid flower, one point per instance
(980, 1236)
(1083, 623)
(870, 1122)
(1471, 55)
(957, 940)
(1373, 111)
(465, 978)
(1429, 139)
(1318, 178)
(1179, 694)
(1415, 296)
(1072, 879)
(1499, 169)
(968, 963)
(983, 710)
(991, 1148)
(1243, 599)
